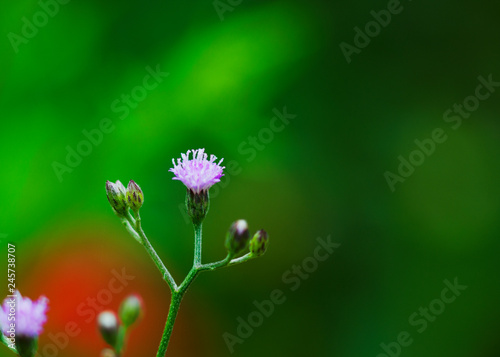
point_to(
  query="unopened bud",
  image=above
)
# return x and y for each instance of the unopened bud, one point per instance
(116, 194)
(107, 353)
(197, 205)
(108, 326)
(259, 242)
(237, 237)
(135, 197)
(130, 310)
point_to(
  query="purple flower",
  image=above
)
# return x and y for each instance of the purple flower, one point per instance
(198, 173)
(29, 315)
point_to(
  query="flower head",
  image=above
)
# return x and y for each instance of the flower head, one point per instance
(130, 309)
(198, 173)
(259, 242)
(135, 197)
(237, 237)
(107, 322)
(117, 197)
(30, 315)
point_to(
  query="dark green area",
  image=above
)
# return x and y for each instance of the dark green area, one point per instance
(319, 175)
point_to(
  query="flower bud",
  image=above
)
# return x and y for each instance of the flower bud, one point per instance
(26, 346)
(135, 197)
(130, 309)
(107, 353)
(116, 194)
(259, 242)
(108, 326)
(237, 237)
(197, 204)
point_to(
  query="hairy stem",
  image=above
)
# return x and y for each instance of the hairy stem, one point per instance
(178, 294)
(197, 244)
(175, 303)
(226, 262)
(134, 227)
(138, 232)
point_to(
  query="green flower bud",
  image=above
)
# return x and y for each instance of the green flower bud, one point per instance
(26, 346)
(237, 237)
(116, 194)
(130, 309)
(197, 205)
(108, 326)
(259, 242)
(135, 197)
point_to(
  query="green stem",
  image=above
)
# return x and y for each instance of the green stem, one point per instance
(120, 343)
(178, 294)
(197, 244)
(227, 262)
(131, 230)
(193, 273)
(7, 343)
(175, 303)
(138, 232)
(133, 226)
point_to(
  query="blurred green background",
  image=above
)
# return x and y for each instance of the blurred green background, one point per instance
(321, 175)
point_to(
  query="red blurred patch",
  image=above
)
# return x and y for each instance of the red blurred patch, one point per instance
(85, 273)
